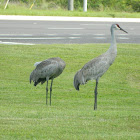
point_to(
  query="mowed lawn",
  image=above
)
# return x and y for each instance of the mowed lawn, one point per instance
(25, 115)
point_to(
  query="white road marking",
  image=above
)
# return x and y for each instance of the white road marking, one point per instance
(73, 37)
(95, 24)
(76, 34)
(32, 38)
(99, 37)
(86, 24)
(123, 38)
(122, 34)
(99, 34)
(132, 28)
(16, 35)
(15, 43)
(65, 28)
(51, 34)
(13, 37)
(44, 38)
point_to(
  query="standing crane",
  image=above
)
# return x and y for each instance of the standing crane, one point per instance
(47, 70)
(96, 67)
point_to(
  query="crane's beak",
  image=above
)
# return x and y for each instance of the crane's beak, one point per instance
(123, 30)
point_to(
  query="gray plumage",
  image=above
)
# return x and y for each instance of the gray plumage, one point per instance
(47, 70)
(95, 68)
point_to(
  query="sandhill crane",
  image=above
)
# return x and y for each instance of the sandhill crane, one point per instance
(95, 68)
(47, 70)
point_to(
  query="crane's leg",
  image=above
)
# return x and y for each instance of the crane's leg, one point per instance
(51, 91)
(95, 103)
(46, 92)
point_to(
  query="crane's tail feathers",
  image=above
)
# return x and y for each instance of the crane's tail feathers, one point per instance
(76, 82)
(36, 63)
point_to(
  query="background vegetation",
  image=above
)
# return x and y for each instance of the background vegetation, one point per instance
(98, 5)
(24, 114)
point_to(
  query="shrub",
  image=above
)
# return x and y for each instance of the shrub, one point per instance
(117, 5)
(136, 5)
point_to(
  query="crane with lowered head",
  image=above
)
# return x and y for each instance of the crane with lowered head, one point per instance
(47, 70)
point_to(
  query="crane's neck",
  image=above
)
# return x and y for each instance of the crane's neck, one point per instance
(113, 46)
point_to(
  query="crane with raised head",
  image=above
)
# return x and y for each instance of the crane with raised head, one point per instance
(96, 67)
(47, 70)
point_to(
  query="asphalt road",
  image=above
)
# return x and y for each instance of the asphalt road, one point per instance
(65, 32)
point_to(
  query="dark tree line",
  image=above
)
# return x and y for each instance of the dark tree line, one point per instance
(118, 5)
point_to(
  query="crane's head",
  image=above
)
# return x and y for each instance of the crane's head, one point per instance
(117, 27)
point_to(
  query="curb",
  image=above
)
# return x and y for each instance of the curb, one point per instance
(61, 18)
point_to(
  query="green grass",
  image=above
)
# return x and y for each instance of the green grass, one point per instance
(24, 114)
(17, 9)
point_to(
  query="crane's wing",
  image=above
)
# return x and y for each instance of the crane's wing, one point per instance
(95, 68)
(47, 69)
